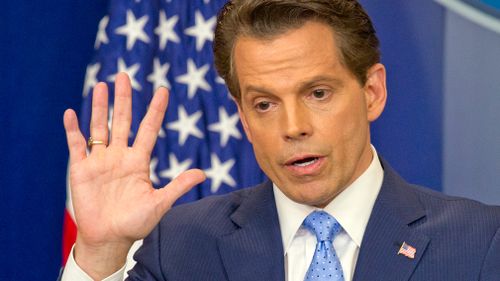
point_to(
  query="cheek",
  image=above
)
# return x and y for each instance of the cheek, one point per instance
(344, 126)
(266, 146)
(262, 139)
(264, 156)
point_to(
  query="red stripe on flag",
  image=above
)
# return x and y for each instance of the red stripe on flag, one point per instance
(69, 235)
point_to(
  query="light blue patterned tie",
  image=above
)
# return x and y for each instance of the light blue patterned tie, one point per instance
(325, 264)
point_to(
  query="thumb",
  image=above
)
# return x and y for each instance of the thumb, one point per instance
(178, 187)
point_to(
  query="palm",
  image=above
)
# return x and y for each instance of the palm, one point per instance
(113, 197)
(113, 188)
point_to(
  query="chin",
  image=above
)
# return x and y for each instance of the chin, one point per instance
(319, 201)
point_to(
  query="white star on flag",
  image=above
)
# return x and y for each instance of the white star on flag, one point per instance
(175, 168)
(131, 71)
(226, 126)
(194, 78)
(111, 109)
(186, 125)
(219, 173)
(219, 80)
(152, 171)
(162, 133)
(202, 30)
(102, 36)
(159, 75)
(91, 78)
(133, 29)
(165, 30)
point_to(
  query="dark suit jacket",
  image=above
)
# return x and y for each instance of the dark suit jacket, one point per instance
(237, 237)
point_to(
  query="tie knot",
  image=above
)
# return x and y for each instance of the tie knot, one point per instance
(324, 226)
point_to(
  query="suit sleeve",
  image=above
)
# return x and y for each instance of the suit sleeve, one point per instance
(491, 265)
(148, 257)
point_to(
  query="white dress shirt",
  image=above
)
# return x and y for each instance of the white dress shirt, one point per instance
(72, 272)
(351, 208)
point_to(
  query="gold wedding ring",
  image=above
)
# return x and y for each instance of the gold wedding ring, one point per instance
(92, 142)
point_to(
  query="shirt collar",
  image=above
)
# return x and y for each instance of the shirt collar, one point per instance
(351, 208)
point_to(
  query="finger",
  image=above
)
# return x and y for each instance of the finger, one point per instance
(150, 125)
(99, 119)
(177, 187)
(75, 139)
(122, 112)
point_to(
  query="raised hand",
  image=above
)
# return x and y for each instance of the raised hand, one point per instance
(113, 198)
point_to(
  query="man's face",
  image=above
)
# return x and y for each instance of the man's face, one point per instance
(305, 113)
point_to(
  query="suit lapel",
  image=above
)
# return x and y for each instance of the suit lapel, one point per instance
(395, 211)
(254, 251)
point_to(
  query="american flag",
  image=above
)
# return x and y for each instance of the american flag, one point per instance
(407, 251)
(168, 43)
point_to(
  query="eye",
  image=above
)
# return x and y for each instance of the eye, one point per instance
(319, 94)
(263, 106)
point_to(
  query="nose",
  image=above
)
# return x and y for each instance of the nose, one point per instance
(296, 122)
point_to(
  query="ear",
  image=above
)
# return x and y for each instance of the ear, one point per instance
(244, 121)
(375, 91)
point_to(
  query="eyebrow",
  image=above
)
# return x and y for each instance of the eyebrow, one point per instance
(302, 86)
(319, 79)
(257, 89)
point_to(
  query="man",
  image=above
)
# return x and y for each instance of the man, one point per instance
(307, 80)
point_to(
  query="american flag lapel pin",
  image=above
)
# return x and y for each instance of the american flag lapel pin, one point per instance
(407, 251)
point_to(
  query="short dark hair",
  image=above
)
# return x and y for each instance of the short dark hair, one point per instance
(266, 19)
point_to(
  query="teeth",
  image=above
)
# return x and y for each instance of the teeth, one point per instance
(303, 164)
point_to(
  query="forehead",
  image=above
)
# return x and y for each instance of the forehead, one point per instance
(310, 50)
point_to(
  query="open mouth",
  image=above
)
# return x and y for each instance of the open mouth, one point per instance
(305, 165)
(305, 161)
